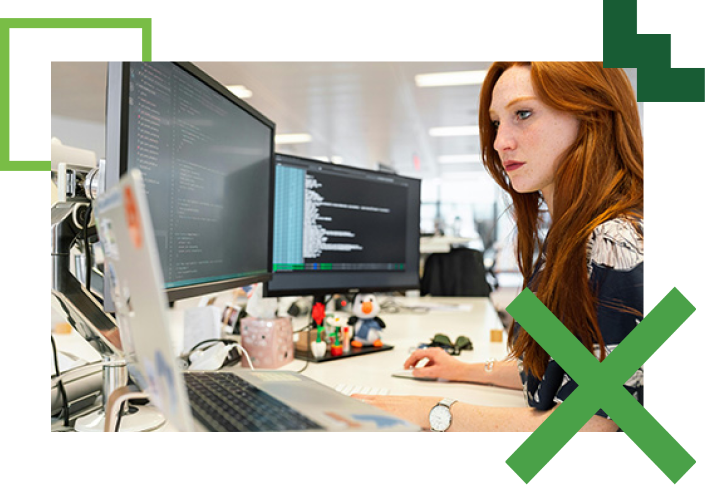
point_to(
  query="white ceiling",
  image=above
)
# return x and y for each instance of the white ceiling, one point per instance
(363, 112)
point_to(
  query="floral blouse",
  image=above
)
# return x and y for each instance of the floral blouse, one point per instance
(615, 258)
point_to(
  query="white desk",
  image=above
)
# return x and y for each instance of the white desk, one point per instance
(472, 317)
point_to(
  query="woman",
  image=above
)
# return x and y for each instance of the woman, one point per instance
(566, 135)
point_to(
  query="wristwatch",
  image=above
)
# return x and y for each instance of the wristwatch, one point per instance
(440, 416)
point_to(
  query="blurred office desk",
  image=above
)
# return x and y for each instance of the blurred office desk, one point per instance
(417, 321)
(406, 329)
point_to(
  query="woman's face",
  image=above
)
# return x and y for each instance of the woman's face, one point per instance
(531, 136)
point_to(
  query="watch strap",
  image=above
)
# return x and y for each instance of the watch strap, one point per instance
(447, 402)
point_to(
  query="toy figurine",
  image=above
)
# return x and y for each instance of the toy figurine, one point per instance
(336, 347)
(318, 315)
(318, 348)
(335, 324)
(367, 325)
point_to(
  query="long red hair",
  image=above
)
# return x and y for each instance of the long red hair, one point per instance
(600, 177)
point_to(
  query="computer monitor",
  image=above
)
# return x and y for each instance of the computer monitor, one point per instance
(340, 229)
(206, 159)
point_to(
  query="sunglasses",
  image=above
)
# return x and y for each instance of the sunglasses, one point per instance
(444, 342)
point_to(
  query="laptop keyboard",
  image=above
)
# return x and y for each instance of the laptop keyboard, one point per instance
(222, 401)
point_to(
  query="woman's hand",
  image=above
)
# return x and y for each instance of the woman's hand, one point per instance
(440, 365)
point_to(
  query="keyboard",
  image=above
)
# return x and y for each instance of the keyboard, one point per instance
(222, 401)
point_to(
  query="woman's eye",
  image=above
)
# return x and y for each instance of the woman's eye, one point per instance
(522, 115)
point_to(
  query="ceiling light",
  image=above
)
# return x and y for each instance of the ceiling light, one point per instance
(458, 78)
(291, 138)
(240, 91)
(455, 131)
(468, 158)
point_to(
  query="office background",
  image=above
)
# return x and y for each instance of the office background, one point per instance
(376, 115)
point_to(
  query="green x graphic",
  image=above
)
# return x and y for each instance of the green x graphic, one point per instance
(601, 385)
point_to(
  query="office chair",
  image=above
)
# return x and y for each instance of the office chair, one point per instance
(460, 272)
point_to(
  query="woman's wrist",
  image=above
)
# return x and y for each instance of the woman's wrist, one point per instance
(476, 373)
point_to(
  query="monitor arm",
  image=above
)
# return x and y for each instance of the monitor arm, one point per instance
(82, 310)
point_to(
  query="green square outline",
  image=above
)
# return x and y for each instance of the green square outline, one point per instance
(145, 24)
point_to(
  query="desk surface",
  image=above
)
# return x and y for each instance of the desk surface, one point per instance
(472, 317)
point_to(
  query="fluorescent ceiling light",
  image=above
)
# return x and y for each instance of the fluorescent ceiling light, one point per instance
(457, 78)
(291, 138)
(468, 158)
(454, 176)
(240, 91)
(455, 131)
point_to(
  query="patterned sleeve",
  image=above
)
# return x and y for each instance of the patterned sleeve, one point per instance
(616, 271)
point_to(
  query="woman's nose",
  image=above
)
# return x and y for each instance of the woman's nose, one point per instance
(505, 139)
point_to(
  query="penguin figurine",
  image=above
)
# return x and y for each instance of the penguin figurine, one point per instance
(367, 325)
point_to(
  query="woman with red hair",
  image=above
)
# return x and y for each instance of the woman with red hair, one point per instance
(564, 141)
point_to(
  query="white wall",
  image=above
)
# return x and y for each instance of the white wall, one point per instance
(79, 134)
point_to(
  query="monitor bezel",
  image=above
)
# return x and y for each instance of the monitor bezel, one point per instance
(318, 292)
(116, 149)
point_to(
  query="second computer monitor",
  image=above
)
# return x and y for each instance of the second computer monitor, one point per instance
(206, 158)
(339, 229)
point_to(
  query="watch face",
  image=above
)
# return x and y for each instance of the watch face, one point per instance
(440, 418)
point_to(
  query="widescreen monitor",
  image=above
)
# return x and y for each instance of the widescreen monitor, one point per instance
(206, 159)
(339, 229)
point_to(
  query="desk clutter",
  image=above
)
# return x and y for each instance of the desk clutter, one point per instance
(334, 336)
(268, 341)
(444, 342)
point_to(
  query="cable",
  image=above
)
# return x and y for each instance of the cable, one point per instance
(62, 390)
(229, 342)
(87, 246)
(119, 416)
(247, 356)
(308, 346)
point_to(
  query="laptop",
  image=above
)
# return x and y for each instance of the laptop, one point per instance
(228, 400)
